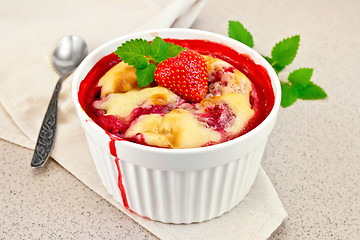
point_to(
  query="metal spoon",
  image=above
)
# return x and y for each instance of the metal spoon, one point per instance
(66, 57)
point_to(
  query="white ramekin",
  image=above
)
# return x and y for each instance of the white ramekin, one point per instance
(178, 185)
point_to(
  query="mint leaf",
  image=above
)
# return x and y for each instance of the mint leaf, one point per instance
(133, 52)
(276, 66)
(238, 32)
(311, 92)
(300, 77)
(289, 94)
(174, 50)
(158, 50)
(145, 75)
(285, 51)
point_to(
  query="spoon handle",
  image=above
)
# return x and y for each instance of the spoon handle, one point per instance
(46, 136)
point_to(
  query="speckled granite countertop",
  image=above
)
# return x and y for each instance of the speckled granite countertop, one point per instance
(312, 156)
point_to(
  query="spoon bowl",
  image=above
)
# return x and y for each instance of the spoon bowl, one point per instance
(69, 53)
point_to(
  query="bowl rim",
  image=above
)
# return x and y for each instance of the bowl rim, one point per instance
(153, 32)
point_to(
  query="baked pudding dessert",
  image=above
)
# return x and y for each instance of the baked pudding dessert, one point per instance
(176, 136)
(207, 94)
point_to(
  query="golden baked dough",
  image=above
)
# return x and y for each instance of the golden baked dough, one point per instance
(121, 104)
(175, 130)
(119, 79)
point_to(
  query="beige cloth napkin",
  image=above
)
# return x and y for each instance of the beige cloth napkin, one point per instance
(29, 35)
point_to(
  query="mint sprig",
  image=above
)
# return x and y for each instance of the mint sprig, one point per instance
(299, 84)
(145, 56)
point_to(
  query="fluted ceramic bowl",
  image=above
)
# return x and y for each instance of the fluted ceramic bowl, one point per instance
(177, 185)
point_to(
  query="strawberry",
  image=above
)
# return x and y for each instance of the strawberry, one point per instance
(186, 75)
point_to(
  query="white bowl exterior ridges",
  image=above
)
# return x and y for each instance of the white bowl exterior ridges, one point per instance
(178, 185)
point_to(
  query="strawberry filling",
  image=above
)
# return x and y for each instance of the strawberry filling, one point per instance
(217, 117)
(216, 75)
